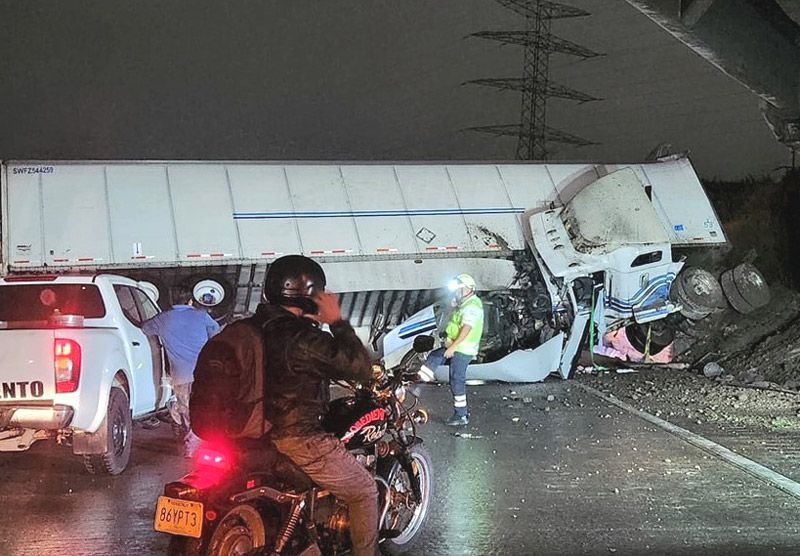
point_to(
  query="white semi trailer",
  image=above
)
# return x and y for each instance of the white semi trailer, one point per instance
(547, 243)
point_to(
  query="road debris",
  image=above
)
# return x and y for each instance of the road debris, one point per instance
(713, 369)
(467, 435)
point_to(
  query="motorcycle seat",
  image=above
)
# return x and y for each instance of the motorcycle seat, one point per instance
(261, 456)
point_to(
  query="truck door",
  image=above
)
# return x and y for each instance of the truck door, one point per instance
(147, 310)
(642, 288)
(138, 350)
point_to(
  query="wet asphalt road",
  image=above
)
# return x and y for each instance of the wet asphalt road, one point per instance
(580, 478)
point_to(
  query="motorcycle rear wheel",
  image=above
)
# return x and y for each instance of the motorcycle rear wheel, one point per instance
(240, 532)
(412, 520)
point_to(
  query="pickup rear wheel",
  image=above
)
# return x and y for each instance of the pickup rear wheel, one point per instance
(118, 425)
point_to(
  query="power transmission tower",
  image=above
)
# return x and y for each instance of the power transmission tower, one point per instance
(538, 43)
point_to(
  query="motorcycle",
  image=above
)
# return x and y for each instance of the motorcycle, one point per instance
(246, 498)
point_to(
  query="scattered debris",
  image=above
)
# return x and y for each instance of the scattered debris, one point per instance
(713, 369)
(468, 435)
(666, 366)
(686, 398)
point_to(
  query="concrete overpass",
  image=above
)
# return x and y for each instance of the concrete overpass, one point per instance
(756, 42)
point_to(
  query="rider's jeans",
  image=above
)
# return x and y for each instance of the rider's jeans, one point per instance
(325, 459)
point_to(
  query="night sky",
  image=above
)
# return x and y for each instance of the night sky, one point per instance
(349, 80)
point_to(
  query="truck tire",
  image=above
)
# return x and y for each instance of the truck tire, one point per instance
(118, 425)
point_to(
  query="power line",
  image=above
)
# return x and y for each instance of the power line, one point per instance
(551, 133)
(518, 84)
(538, 43)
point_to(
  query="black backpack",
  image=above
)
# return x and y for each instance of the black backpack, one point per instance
(227, 400)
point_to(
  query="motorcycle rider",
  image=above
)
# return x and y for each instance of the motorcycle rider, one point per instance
(300, 359)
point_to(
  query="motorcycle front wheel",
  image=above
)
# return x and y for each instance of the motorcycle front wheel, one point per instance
(408, 515)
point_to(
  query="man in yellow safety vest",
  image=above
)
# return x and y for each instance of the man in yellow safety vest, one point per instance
(463, 338)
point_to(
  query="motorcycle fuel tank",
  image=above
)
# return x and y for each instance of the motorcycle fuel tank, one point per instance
(356, 421)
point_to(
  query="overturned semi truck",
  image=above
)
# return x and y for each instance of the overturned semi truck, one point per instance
(556, 249)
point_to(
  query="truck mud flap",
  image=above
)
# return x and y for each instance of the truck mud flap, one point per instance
(90, 443)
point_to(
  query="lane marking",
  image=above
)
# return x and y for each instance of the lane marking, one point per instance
(749, 466)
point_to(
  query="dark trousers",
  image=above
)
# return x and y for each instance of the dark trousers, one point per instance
(458, 376)
(325, 459)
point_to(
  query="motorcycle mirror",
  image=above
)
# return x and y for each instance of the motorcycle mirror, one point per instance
(423, 343)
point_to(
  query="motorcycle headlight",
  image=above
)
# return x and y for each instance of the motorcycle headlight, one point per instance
(400, 393)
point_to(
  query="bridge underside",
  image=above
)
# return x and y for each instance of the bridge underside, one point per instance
(756, 42)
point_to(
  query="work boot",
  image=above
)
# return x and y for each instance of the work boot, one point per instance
(457, 420)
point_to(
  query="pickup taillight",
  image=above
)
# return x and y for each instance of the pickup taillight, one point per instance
(67, 364)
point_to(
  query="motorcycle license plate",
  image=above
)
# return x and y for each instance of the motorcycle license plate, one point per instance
(179, 517)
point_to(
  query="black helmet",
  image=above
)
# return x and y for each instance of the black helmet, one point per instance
(292, 281)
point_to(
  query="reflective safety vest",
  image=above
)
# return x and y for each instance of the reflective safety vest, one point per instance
(471, 311)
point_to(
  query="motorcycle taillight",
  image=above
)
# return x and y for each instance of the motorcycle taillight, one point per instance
(213, 458)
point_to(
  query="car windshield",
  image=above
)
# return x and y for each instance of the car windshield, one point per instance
(38, 302)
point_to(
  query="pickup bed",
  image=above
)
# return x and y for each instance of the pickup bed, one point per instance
(75, 366)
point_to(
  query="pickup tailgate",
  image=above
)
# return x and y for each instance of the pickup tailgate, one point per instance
(27, 374)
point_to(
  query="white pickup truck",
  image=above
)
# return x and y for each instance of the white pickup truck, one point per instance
(75, 365)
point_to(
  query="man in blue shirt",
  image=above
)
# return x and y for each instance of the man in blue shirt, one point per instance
(183, 331)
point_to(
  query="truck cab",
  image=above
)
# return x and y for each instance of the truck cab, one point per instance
(603, 259)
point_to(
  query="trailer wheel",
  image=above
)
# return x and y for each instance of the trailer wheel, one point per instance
(222, 311)
(118, 426)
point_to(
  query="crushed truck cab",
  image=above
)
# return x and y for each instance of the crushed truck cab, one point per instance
(75, 366)
(610, 228)
(606, 259)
